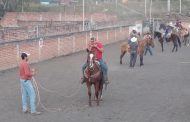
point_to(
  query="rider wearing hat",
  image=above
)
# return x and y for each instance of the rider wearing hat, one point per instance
(99, 49)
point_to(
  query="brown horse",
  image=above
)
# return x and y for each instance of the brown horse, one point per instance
(93, 76)
(184, 34)
(141, 45)
(124, 49)
(160, 39)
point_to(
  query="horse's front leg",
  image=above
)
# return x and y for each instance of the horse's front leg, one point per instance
(173, 48)
(161, 43)
(141, 60)
(100, 91)
(121, 56)
(97, 92)
(89, 93)
(185, 41)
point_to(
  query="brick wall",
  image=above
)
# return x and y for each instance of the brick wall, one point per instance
(8, 56)
(51, 47)
(10, 19)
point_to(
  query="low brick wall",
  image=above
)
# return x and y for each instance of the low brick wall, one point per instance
(11, 18)
(54, 46)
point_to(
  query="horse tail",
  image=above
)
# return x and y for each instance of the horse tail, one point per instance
(179, 42)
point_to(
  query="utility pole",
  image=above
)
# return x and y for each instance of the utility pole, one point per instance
(180, 7)
(145, 7)
(150, 10)
(83, 15)
(22, 6)
(116, 3)
(168, 6)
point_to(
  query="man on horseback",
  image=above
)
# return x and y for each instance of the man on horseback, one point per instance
(98, 47)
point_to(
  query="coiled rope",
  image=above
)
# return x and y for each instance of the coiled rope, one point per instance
(39, 103)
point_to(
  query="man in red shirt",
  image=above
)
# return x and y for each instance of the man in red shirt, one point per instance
(27, 88)
(99, 49)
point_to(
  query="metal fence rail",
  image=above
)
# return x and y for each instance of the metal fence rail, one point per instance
(20, 33)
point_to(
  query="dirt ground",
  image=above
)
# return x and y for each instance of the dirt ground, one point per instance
(157, 92)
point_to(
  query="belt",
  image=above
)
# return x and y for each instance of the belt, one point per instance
(25, 80)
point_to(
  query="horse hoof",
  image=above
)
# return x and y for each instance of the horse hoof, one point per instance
(101, 98)
(98, 104)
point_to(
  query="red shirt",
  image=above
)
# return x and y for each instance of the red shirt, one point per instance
(98, 52)
(25, 72)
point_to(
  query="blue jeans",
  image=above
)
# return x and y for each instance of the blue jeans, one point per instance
(148, 48)
(103, 66)
(27, 90)
(133, 57)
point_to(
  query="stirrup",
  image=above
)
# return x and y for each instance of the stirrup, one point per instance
(82, 80)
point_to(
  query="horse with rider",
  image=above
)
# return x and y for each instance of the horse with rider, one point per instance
(171, 34)
(95, 69)
(183, 32)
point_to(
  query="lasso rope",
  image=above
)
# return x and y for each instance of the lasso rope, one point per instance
(51, 91)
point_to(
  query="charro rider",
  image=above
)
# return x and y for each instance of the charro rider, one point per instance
(99, 49)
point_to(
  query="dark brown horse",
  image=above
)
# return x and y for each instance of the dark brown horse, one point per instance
(141, 46)
(175, 39)
(93, 76)
(160, 39)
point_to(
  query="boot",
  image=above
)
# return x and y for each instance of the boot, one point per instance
(36, 113)
(105, 79)
(82, 80)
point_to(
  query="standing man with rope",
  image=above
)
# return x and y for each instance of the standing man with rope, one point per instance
(27, 88)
